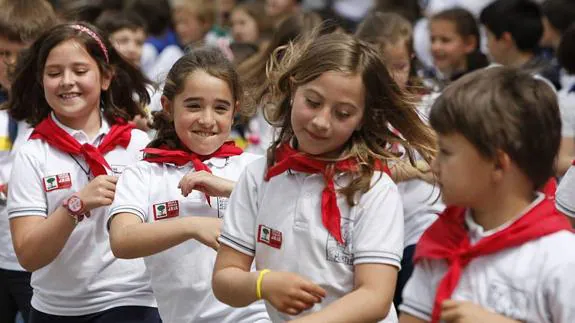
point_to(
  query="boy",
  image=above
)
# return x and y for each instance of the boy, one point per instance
(20, 23)
(127, 33)
(501, 252)
(557, 16)
(513, 29)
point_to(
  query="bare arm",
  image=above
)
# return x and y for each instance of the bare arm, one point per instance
(369, 302)
(232, 281)
(30, 234)
(130, 238)
(406, 318)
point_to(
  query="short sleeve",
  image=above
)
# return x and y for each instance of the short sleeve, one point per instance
(138, 142)
(132, 192)
(378, 227)
(419, 292)
(240, 217)
(565, 195)
(26, 194)
(567, 110)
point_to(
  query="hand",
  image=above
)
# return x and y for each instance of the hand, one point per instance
(467, 312)
(290, 293)
(404, 171)
(206, 230)
(4, 188)
(207, 183)
(99, 192)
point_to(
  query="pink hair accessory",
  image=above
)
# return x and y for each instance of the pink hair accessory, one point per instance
(95, 37)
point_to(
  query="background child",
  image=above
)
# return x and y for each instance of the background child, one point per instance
(250, 23)
(278, 10)
(455, 44)
(20, 23)
(61, 181)
(498, 254)
(514, 29)
(335, 250)
(127, 33)
(170, 223)
(391, 34)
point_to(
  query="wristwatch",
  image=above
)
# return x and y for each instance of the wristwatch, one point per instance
(75, 207)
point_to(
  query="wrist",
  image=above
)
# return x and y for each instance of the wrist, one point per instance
(75, 207)
(259, 284)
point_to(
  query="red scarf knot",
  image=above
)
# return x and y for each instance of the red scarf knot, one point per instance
(287, 157)
(119, 134)
(179, 157)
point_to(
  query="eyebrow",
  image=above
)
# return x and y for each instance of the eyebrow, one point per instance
(82, 64)
(191, 99)
(350, 104)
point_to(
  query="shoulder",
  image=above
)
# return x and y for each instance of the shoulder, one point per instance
(557, 248)
(245, 159)
(139, 139)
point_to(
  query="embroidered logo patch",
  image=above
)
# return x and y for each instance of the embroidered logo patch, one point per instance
(117, 170)
(57, 182)
(269, 236)
(166, 210)
(337, 252)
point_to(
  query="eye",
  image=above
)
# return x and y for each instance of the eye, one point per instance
(222, 109)
(193, 106)
(312, 103)
(81, 71)
(342, 114)
(52, 74)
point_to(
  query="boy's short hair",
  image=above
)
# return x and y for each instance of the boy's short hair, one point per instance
(156, 13)
(520, 18)
(112, 21)
(24, 20)
(502, 108)
(560, 13)
(566, 50)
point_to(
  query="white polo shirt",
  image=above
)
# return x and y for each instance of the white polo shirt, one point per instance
(85, 277)
(565, 195)
(182, 275)
(279, 222)
(8, 151)
(531, 283)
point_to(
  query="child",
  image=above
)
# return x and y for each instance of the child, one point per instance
(249, 23)
(501, 252)
(391, 34)
(20, 23)
(77, 92)
(127, 33)
(172, 223)
(455, 44)
(557, 16)
(320, 212)
(514, 29)
(278, 10)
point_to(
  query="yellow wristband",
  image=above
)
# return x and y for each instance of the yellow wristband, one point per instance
(259, 283)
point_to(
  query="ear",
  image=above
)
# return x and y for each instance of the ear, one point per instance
(502, 163)
(507, 39)
(107, 79)
(166, 105)
(470, 44)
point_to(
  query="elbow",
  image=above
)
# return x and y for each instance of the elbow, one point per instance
(118, 248)
(219, 290)
(30, 262)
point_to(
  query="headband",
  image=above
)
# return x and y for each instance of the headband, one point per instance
(95, 37)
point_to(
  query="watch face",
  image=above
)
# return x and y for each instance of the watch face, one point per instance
(75, 204)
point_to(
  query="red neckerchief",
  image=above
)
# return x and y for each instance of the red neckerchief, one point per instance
(180, 157)
(119, 135)
(448, 239)
(288, 158)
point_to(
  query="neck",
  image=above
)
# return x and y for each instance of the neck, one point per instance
(89, 123)
(462, 67)
(501, 208)
(518, 59)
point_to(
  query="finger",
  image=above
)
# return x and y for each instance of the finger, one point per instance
(215, 245)
(108, 185)
(450, 315)
(299, 305)
(108, 178)
(292, 311)
(106, 201)
(449, 304)
(313, 289)
(308, 298)
(109, 194)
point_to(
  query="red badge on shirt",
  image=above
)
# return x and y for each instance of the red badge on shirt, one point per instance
(269, 236)
(166, 210)
(57, 182)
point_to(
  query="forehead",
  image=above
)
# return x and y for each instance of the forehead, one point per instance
(69, 52)
(201, 84)
(397, 51)
(6, 44)
(128, 32)
(442, 26)
(339, 87)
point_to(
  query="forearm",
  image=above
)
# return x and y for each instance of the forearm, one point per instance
(144, 239)
(235, 287)
(39, 242)
(361, 305)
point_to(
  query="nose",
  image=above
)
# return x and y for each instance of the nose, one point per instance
(435, 166)
(67, 78)
(207, 117)
(322, 120)
(435, 45)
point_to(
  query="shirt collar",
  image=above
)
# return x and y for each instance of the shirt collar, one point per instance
(476, 232)
(80, 135)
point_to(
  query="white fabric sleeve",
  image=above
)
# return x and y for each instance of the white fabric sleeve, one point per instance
(378, 228)
(567, 110)
(565, 195)
(240, 217)
(132, 192)
(26, 194)
(419, 292)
